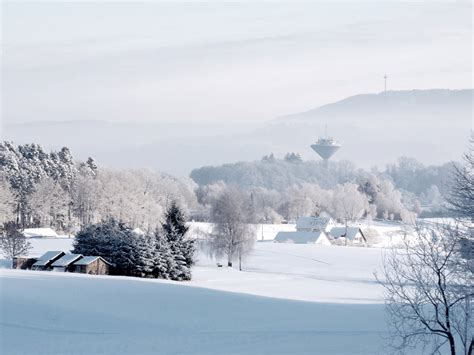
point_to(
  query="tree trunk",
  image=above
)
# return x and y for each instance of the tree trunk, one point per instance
(229, 263)
(452, 345)
(240, 262)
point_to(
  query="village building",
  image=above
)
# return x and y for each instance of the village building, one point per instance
(346, 235)
(44, 261)
(94, 265)
(315, 224)
(317, 237)
(65, 263)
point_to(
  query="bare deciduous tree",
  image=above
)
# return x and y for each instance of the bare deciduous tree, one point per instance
(429, 292)
(232, 236)
(462, 195)
(12, 242)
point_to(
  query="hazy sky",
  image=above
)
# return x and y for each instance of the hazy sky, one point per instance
(222, 61)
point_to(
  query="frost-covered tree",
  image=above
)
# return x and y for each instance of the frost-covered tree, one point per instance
(462, 194)
(182, 248)
(232, 236)
(12, 241)
(7, 201)
(429, 291)
(348, 204)
(49, 204)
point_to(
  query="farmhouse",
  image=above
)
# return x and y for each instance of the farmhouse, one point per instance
(314, 224)
(44, 261)
(353, 235)
(65, 263)
(303, 238)
(94, 265)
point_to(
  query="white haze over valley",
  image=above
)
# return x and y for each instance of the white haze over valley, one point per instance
(175, 86)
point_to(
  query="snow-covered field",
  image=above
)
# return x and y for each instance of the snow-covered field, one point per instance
(55, 313)
(62, 313)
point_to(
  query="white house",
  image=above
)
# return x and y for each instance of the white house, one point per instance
(315, 224)
(303, 238)
(353, 235)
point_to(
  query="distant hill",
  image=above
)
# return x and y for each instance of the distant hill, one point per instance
(431, 125)
(418, 103)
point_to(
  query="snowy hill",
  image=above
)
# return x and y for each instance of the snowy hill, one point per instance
(115, 315)
(410, 123)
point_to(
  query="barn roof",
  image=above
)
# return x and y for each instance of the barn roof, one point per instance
(338, 232)
(89, 259)
(298, 237)
(47, 257)
(66, 260)
(313, 222)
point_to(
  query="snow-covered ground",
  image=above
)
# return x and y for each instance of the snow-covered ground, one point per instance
(306, 272)
(62, 313)
(55, 313)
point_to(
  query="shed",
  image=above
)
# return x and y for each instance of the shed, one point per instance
(303, 238)
(352, 234)
(44, 261)
(23, 262)
(65, 263)
(94, 265)
(314, 224)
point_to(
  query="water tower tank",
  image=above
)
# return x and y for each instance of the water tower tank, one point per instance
(326, 148)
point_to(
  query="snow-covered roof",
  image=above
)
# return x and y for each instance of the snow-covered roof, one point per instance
(338, 232)
(89, 259)
(66, 260)
(313, 222)
(47, 257)
(298, 237)
(39, 233)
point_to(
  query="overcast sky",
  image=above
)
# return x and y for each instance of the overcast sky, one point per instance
(222, 61)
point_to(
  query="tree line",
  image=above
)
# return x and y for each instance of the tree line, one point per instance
(52, 189)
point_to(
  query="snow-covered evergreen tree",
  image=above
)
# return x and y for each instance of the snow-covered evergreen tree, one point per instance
(182, 248)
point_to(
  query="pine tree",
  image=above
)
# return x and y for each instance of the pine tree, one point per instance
(164, 263)
(182, 248)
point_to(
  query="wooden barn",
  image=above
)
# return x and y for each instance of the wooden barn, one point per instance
(66, 262)
(93, 265)
(47, 259)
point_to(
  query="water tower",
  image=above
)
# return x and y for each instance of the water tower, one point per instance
(326, 147)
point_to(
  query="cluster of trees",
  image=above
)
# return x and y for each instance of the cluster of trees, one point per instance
(422, 188)
(370, 196)
(51, 189)
(164, 253)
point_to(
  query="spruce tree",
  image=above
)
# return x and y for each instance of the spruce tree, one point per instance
(182, 248)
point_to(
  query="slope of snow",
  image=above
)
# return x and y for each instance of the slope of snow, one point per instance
(318, 273)
(306, 272)
(55, 313)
